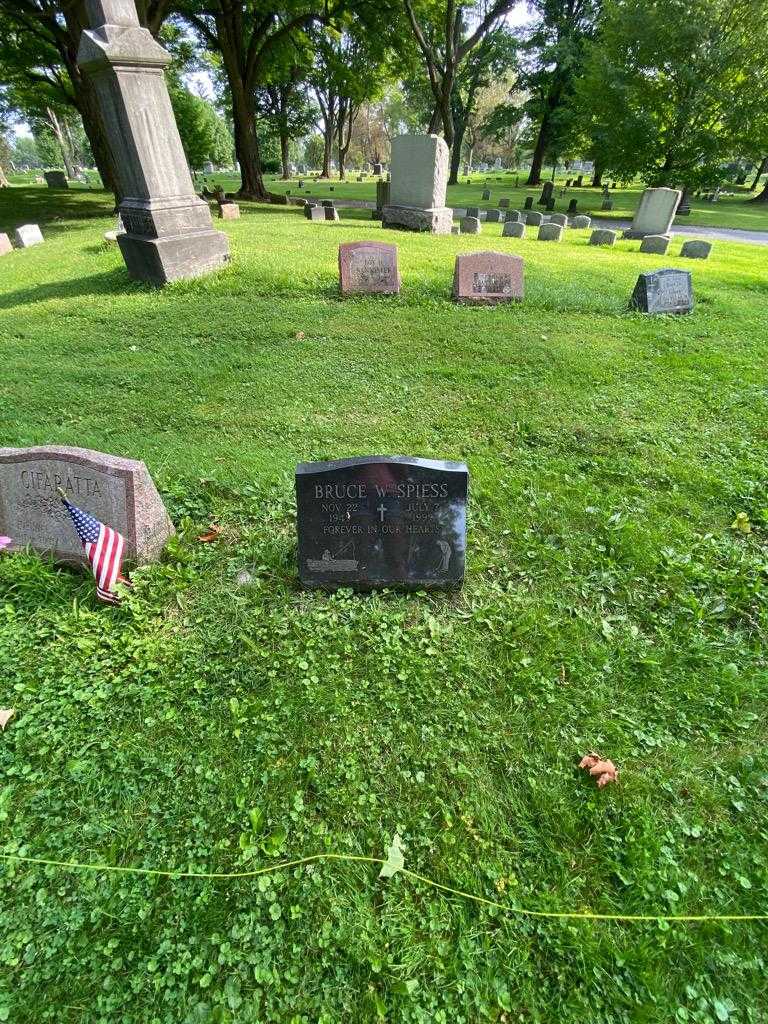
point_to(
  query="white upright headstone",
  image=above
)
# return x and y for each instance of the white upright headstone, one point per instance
(655, 213)
(26, 235)
(419, 180)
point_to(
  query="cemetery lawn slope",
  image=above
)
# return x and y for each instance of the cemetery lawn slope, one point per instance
(221, 719)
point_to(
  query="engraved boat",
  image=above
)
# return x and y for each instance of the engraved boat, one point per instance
(332, 563)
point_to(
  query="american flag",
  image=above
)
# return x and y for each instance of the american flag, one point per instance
(104, 550)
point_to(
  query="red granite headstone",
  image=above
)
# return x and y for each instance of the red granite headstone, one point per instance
(368, 267)
(488, 277)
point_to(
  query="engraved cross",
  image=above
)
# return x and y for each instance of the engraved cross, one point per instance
(381, 510)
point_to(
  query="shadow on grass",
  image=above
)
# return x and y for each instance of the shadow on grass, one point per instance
(112, 282)
(47, 207)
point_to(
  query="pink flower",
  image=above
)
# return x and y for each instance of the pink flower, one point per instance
(5, 542)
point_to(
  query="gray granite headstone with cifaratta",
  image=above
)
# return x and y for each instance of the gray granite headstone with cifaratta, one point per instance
(168, 229)
(418, 187)
(118, 492)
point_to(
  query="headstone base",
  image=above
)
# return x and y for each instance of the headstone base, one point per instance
(160, 260)
(437, 221)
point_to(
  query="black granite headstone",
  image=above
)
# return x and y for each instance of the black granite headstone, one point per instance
(663, 291)
(546, 193)
(528, 203)
(382, 521)
(572, 205)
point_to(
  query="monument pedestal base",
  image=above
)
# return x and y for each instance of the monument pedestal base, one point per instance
(160, 260)
(437, 221)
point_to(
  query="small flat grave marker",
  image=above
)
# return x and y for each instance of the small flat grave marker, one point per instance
(602, 236)
(513, 229)
(56, 179)
(368, 268)
(118, 492)
(229, 211)
(696, 249)
(487, 278)
(663, 291)
(657, 244)
(551, 232)
(382, 521)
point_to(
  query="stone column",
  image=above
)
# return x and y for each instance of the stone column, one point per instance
(168, 229)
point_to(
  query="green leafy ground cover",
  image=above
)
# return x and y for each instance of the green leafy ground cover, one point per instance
(216, 725)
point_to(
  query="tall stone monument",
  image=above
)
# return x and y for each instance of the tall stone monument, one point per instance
(168, 229)
(655, 213)
(418, 186)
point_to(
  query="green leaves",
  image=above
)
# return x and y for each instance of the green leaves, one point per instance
(395, 861)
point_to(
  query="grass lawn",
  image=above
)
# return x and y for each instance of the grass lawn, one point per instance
(211, 725)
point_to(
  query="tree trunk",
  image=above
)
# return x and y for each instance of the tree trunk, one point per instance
(762, 197)
(243, 118)
(760, 172)
(53, 121)
(86, 102)
(458, 140)
(284, 140)
(284, 154)
(597, 176)
(539, 152)
(247, 144)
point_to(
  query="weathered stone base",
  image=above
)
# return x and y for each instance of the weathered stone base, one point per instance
(160, 260)
(629, 233)
(437, 221)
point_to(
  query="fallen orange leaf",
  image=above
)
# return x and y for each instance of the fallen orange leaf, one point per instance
(214, 532)
(6, 714)
(602, 769)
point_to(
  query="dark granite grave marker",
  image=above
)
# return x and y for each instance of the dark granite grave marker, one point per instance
(663, 291)
(382, 521)
(528, 203)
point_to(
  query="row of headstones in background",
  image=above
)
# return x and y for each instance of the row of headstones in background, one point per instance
(23, 238)
(492, 277)
(471, 223)
(694, 249)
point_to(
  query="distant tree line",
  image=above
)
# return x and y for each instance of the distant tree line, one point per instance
(670, 91)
